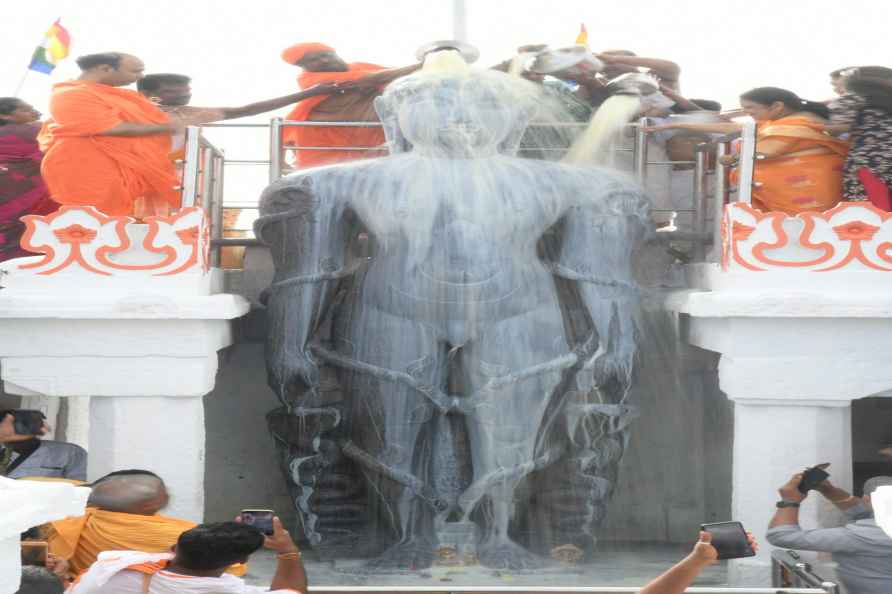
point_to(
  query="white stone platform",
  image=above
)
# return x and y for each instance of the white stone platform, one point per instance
(125, 319)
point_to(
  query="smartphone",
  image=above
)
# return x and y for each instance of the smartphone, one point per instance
(729, 539)
(34, 552)
(262, 519)
(814, 476)
(28, 422)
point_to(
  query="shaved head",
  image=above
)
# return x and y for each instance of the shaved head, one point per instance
(140, 494)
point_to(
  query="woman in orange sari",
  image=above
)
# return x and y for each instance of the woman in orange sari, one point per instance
(799, 166)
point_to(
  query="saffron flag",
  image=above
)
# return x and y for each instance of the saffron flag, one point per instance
(55, 47)
(582, 38)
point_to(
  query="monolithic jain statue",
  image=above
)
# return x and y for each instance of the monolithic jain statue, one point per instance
(451, 332)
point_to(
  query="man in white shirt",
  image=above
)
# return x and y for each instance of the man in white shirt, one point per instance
(197, 565)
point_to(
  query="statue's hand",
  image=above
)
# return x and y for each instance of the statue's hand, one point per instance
(293, 369)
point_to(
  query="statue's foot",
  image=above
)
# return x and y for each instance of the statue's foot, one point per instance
(409, 555)
(504, 554)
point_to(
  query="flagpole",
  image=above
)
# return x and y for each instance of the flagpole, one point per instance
(18, 88)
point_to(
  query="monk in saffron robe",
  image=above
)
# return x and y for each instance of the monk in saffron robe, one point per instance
(122, 514)
(106, 146)
(321, 65)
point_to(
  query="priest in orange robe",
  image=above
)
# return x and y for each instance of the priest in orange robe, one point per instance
(106, 146)
(352, 103)
(122, 514)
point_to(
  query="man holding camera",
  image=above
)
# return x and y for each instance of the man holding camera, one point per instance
(24, 455)
(861, 550)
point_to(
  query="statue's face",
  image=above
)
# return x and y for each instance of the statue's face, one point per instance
(456, 117)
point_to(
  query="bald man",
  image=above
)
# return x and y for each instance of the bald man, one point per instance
(122, 514)
(107, 146)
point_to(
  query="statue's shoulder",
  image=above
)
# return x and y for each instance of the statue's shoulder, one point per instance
(606, 190)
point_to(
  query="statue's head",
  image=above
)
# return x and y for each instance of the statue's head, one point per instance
(456, 114)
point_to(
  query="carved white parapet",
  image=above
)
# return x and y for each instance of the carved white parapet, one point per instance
(83, 248)
(851, 236)
(27, 504)
(130, 315)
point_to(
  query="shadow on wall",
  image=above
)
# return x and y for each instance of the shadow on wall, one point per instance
(241, 470)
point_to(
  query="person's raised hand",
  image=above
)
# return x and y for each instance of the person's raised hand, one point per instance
(8, 434)
(789, 491)
(703, 551)
(7, 428)
(57, 565)
(280, 541)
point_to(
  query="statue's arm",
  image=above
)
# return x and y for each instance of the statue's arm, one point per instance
(599, 239)
(308, 239)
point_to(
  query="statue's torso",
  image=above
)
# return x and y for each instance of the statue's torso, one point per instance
(458, 247)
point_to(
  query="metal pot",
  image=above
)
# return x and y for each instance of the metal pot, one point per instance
(633, 83)
(468, 52)
(568, 61)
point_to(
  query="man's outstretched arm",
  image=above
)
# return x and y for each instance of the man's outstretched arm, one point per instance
(259, 107)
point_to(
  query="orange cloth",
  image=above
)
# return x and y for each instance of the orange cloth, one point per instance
(296, 52)
(81, 539)
(111, 173)
(803, 167)
(329, 137)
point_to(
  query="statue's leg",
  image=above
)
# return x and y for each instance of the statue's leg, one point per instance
(392, 368)
(516, 369)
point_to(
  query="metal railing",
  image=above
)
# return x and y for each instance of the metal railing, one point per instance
(204, 166)
(788, 570)
(551, 589)
(203, 181)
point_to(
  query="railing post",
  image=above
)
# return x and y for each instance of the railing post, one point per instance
(699, 205)
(209, 195)
(192, 165)
(217, 229)
(719, 198)
(747, 162)
(640, 151)
(276, 152)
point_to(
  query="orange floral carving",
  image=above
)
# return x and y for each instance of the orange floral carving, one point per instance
(856, 231)
(741, 232)
(189, 236)
(75, 234)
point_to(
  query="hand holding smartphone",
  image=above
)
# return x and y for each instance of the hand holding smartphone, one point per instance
(814, 476)
(28, 422)
(262, 519)
(729, 539)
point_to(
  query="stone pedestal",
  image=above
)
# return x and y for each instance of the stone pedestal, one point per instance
(801, 311)
(772, 440)
(125, 321)
(163, 434)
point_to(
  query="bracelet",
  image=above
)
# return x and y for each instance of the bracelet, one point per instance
(293, 556)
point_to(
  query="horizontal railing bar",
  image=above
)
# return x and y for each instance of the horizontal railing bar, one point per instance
(247, 161)
(379, 149)
(235, 241)
(233, 126)
(569, 590)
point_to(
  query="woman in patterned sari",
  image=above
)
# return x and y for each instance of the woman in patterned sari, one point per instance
(22, 191)
(799, 166)
(866, 116)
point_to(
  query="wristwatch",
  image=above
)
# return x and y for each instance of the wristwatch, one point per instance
(783, 504)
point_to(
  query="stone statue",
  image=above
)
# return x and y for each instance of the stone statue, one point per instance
(451, 331)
